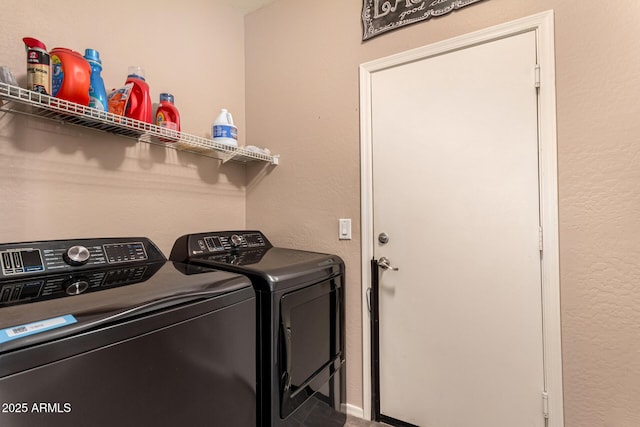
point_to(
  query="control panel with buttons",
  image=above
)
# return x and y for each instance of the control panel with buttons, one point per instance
(33, 258)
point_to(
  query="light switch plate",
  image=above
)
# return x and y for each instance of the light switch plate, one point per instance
(344, 229)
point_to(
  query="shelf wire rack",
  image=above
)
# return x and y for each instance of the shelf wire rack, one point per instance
(15, 99)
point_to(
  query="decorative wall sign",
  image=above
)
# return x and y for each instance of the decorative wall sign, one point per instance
(379, 16)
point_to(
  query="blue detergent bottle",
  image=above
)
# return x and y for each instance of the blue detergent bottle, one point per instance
(97, 91)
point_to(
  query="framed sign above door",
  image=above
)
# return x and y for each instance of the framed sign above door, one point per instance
(379, 16)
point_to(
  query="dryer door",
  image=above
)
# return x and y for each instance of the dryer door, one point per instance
(311, 341)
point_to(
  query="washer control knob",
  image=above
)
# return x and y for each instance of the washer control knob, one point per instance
(236, 240)
(76, 255)
(77, 287)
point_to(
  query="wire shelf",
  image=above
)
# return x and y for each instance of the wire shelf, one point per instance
(26, 102)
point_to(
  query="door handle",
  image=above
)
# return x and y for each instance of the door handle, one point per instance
(384, 264)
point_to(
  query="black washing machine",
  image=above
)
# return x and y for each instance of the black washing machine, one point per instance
(107, 332)
(300, 329)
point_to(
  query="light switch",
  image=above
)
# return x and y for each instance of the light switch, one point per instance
(344, 232)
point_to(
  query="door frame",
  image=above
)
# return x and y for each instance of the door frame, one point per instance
(543, 25)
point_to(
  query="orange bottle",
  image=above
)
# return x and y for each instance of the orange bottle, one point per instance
(139, 106)
(71, 76)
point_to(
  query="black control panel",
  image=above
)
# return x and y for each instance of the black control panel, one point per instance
(34, 258)
(232, 247)
(228, 241)
(34, 271)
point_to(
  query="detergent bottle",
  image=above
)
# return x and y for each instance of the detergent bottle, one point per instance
(71, 76)
(139, 106)
(97, 91)
(223, 130)
(167, 115)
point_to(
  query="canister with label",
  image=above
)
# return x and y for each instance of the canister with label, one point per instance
(38, 66)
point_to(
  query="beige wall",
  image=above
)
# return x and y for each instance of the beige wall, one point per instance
(302, 100)
(65, 182)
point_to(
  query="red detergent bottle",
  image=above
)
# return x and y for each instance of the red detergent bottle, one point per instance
(139, 106)
(167, 115)
(71, 76)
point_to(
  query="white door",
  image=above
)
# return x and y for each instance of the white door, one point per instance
(456, 190)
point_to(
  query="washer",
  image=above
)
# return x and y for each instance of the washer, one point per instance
(107, 332)
(300, 312)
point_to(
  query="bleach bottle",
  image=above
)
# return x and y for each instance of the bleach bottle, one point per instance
(224, 131)
(97, 91)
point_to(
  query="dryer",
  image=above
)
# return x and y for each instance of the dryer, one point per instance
(300, 323)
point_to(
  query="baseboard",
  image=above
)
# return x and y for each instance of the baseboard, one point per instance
(353, 410)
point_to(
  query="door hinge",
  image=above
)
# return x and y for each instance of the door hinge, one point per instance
(540, 238)
(545, 405)
(537, 75)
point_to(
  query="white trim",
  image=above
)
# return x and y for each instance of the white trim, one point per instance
(542, 24)
(353, 410)
(366, 230)
(549, 220)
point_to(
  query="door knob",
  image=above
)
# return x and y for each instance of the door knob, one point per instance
(384, 264)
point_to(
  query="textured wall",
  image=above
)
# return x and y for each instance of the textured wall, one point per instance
(599, 160)
(302, 100)
(62, 182)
